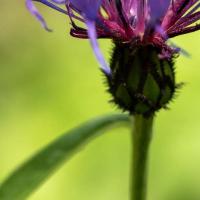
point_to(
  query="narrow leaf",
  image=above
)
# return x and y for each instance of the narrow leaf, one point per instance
(27, 178)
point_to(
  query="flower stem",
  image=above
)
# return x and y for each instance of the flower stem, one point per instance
(141, 138)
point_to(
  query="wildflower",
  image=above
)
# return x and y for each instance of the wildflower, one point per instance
(141, 74)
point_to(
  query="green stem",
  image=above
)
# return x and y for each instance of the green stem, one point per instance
(141, 138)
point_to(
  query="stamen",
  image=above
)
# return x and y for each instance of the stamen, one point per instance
(120, 11)
(133, 21)
(193, 9)
(184, 31)
(183, 6)
(141, 17)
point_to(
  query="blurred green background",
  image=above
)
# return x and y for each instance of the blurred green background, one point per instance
(50, 82)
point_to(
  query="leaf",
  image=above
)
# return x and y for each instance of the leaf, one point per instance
(27, 178)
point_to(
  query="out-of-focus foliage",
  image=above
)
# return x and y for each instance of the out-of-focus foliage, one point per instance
(50, 82)
(39, 167)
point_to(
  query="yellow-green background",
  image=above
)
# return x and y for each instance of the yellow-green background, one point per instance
(50, 82)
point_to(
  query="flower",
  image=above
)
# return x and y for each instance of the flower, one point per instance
(127, 21)
(139, 29)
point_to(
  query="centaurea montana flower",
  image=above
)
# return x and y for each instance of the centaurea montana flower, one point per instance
(141, 73)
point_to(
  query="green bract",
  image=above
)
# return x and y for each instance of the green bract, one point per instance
(142, 81)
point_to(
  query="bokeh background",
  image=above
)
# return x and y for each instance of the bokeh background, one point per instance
(50, 82)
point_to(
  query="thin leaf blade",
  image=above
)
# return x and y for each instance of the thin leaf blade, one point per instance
(30, 175)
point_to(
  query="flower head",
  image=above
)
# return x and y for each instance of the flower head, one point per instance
(138, 28)
(127, 21)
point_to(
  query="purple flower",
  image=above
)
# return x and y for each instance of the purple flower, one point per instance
(141, 76)
(126, 21)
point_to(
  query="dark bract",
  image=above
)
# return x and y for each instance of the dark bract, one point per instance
(141, 82)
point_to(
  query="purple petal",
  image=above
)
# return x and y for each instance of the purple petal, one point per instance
(33, 10)
(180, 50)
(59, 1)
(54, 6)
(88, 8)
(158, 8)
(93, 40)
(161, 31)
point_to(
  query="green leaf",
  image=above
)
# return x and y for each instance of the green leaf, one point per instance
(27, 178)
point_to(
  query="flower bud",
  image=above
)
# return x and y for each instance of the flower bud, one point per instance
(142, 81)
